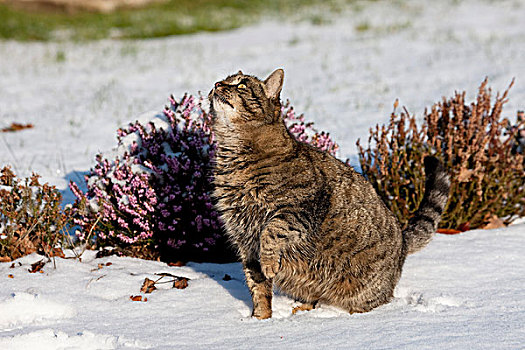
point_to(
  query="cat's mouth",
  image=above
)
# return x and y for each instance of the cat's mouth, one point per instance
(221, 98)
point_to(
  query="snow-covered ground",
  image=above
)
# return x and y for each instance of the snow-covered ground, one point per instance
(461, 292)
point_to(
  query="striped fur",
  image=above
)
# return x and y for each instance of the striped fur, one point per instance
(301, 219)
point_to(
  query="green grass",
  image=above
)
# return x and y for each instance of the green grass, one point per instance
(363, 27)
(158, 20)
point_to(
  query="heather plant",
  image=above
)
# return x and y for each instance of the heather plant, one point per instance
(517, 131)
(305, 131)
(31, 218)
(152, 197)
(473, 141)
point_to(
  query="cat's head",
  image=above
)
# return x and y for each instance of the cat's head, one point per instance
(241, 99)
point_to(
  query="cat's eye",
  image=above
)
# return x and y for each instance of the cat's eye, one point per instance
(241, 86)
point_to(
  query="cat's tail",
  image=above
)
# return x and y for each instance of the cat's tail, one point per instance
(422, 226)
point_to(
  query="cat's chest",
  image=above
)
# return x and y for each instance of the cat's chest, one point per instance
(243, 217)
(242, 197)
(244, 202)
(247, 186)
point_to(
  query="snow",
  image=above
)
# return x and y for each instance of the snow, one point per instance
(49, 339)
(23, 308)
(463, 291)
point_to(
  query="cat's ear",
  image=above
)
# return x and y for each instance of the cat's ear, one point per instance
(274, 84)
(240, 72)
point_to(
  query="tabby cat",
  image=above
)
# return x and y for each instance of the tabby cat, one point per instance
(300, 218)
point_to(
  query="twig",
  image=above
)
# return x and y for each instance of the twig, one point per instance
(89, 235)
(78, 256)
(26, 234)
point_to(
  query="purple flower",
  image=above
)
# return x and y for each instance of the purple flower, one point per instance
(158, 190)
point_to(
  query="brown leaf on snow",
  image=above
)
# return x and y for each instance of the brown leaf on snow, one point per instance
(10, 276)
(36, 267)
(494, 222)
(180, 283)
(148, 286)
(101, 265)
(448, 231)
(17, 127)
(176, 263)
(136, 297)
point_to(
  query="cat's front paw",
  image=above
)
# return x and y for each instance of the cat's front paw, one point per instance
(270, 266)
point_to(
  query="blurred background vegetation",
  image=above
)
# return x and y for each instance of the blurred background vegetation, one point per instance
(159, 19)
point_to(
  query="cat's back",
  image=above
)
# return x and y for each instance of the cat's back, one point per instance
(305, 176)
(326, 170)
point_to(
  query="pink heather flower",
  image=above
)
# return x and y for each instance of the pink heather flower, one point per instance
(130, 211)
(150, 193)
(76, 191)
(143, 225)
(80, 222)
(122, 223)
(162, 204)
(98, 171)
(125, 238)
(80, 235)
(148, 207)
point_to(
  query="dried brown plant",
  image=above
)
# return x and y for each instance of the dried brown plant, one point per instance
(470, 139)
(31, 219)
